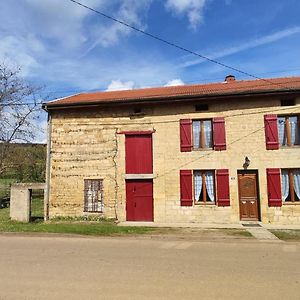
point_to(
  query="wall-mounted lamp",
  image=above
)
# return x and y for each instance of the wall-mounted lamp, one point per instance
(246, 163)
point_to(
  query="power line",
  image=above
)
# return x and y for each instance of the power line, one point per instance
(173, 44)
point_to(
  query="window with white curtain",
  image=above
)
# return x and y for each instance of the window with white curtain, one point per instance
(204, 186)
(289, 130)
(202, 134)
(290, 185)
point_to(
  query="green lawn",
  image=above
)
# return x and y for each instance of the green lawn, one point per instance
(287, 235)
(37, 207)
(103, 227)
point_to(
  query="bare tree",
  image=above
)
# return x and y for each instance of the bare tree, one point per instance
(19, 112)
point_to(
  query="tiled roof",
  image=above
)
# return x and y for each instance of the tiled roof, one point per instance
(235, 87)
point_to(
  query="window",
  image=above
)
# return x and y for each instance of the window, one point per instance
(201, 107)
(287, 102)
(288, 130)
(290, 185)
(204, 186)
(202, 134)
(209, 187)
(93, 195)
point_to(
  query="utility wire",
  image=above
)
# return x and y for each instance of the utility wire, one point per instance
(173, 44)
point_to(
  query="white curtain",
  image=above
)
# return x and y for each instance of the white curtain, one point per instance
(284, 184)
(281, 131)
(198, 185)
(196, 134)
(209, 180)
(207, 134)
(297, 182)
(294, 130)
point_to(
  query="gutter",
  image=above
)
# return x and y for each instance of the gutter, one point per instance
(48, 169)
(180, 98)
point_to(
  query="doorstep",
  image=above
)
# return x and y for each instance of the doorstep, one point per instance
(182, 225)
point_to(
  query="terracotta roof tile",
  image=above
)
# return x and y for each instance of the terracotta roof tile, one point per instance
(201, 90)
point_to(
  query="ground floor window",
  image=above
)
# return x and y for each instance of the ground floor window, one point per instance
(204, 186)
(93, 195)
(290, 185)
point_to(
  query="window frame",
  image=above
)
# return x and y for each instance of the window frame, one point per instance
(204, 191)
(287, 130)
(291, 186)
(202, 136)
(96, 204)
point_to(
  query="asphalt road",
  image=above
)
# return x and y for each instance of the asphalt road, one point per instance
(132, 268)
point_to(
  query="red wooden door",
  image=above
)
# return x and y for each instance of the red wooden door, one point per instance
(138, 151)
(248, 197)
(139, 200)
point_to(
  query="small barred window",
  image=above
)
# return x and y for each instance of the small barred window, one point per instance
(93, 195)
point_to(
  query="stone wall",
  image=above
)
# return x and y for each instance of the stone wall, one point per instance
(86, 144)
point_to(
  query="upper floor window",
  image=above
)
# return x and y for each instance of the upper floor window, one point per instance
(202, 134)
(289, 130)
(204, 186)
(290, 185)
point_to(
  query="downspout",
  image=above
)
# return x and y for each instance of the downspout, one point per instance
(48, 169)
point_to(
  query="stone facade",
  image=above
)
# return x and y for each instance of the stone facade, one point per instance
(85, 144)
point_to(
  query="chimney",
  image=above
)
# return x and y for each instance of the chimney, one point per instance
(229, 78)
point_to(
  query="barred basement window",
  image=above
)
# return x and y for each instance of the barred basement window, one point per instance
(93, 195)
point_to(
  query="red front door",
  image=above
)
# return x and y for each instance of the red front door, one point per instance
(139, 200)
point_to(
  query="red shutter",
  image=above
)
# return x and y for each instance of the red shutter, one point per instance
(219, 133)
(271, 132)
(186, 135)
(274, 187)
(223, 187)
(186, 187)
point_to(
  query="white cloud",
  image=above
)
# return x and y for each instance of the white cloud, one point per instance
(192, 8)
(245, 46)
(174, 82)
(118, 85)
(61, 20)
(130, 12)
(20, 51)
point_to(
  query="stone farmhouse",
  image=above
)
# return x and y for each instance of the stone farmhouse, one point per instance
(211, 153)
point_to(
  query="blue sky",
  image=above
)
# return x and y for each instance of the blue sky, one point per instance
(69, 49)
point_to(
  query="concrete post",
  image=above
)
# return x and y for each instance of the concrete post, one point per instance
(20, 200)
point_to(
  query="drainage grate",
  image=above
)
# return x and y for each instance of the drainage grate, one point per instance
(251, 225)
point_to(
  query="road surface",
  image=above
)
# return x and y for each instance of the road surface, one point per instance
(52, 267)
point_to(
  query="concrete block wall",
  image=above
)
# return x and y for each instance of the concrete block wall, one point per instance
(86, 144)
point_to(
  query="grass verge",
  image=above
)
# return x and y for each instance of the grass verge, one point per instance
(287, 235)
(104, 227)
(238, 232)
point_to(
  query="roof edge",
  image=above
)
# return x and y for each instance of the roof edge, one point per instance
(165, 99)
